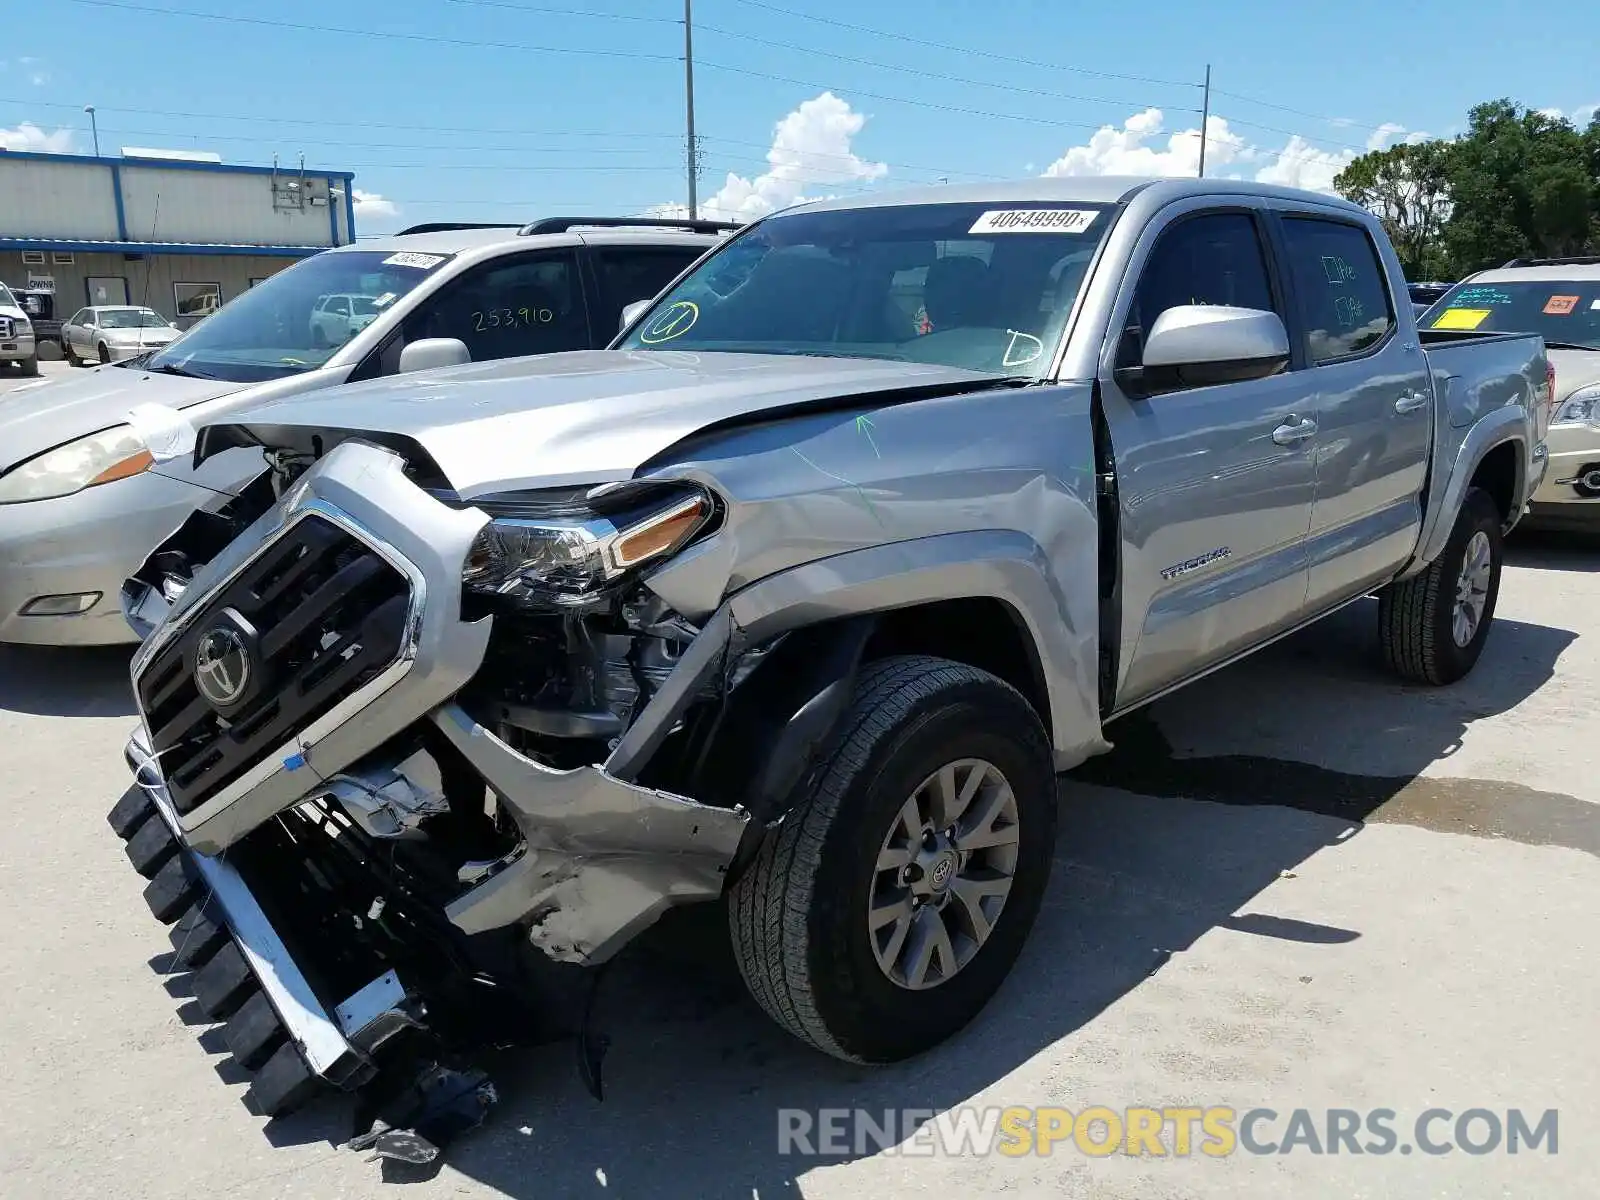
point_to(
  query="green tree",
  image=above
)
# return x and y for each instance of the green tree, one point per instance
(1522, 185)
(1408, 188)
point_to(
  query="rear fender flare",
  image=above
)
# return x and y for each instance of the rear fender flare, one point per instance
(1504, 425)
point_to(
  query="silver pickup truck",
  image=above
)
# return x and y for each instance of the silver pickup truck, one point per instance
(797, 599)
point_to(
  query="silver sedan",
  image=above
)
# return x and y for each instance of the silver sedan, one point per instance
(110, 332)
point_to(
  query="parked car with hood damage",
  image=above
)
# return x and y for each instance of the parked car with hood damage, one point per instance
(797, 599)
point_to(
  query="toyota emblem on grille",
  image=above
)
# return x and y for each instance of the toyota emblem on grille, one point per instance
(222, 666)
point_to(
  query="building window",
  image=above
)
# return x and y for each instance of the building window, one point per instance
(33, 258)
(255, 279)
(196, 300)
(61, 258)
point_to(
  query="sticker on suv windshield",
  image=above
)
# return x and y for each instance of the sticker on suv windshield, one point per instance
(1560, 306)
(1462, 318)
(422, 262)
(1035, 220)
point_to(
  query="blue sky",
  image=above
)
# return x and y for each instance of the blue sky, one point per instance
(502, 109)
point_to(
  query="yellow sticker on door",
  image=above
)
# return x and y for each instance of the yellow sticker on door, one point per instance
(1462, 318)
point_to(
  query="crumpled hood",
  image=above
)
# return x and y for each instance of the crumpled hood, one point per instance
(589, 416)
(40, 416)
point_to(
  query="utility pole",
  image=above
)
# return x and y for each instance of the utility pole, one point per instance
(692, 147)
(1205, 119)
(95, 127)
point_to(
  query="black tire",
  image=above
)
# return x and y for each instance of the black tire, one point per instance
(798, 913)
(30, 366)
(1415, 616)
(105, 354)
(72, 359)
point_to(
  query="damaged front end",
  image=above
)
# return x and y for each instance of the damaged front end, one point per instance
(410, 769)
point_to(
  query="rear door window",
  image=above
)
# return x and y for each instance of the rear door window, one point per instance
(1342, 286)
(527, 304)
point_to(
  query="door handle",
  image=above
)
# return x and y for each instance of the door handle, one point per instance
(1409, 402)
(1290, 433)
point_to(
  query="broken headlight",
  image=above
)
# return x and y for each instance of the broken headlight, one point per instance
(567, 551)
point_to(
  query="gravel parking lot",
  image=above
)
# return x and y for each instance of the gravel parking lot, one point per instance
(1297, 884)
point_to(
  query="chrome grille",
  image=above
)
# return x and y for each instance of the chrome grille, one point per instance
(319, 614)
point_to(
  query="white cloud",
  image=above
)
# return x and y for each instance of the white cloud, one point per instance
(28, 136)
(1381, 135)
(810, 147)
(1114, 151)
(1142, 145)
(370, 205)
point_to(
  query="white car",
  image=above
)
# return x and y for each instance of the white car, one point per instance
(110, 332)
(337, 319)
(1560, 299)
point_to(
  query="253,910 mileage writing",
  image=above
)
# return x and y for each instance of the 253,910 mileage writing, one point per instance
(511, 318)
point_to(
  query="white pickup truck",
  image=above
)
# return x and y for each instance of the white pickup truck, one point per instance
(796, 599)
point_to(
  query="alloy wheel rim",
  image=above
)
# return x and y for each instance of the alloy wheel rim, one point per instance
(1472, 590)
(943, 874)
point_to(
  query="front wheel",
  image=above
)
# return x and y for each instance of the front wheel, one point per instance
(1434, 625)
(30, 366)
(891, 903)
(105, 354)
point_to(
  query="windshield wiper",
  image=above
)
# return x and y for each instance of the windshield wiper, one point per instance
(1568, 345)
(173, 369)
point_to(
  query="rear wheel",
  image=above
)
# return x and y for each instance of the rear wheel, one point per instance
(66, 352)
(1434, 625)
(892, 901)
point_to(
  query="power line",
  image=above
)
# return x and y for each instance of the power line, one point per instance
(926, 74)
(541, 11)
(323, 122)
(1299, 112)
(965, 50)
(435, 39)
(950, 108)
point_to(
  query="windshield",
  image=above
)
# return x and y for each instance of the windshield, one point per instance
(131, 318)
(962, 285)
(277, 328)
(1561, 310)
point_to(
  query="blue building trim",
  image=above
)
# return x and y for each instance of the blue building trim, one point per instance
(350, 207)
(333, 216)
(165, 164)
(90, 247)
(116, 194)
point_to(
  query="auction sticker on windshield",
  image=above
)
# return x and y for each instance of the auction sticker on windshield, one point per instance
(1461, 318)
(1034, 220)
(1560, 306)
(408, 258)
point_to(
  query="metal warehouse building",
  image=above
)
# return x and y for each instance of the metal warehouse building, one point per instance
(180, 233)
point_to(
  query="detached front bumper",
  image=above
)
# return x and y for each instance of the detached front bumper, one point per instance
(596, 858)
(276, 1025)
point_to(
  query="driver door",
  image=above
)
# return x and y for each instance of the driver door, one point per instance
(1214, 509)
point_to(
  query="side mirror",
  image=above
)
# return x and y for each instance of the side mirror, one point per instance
(428, 353)
(630, 311)
(1198, 345)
